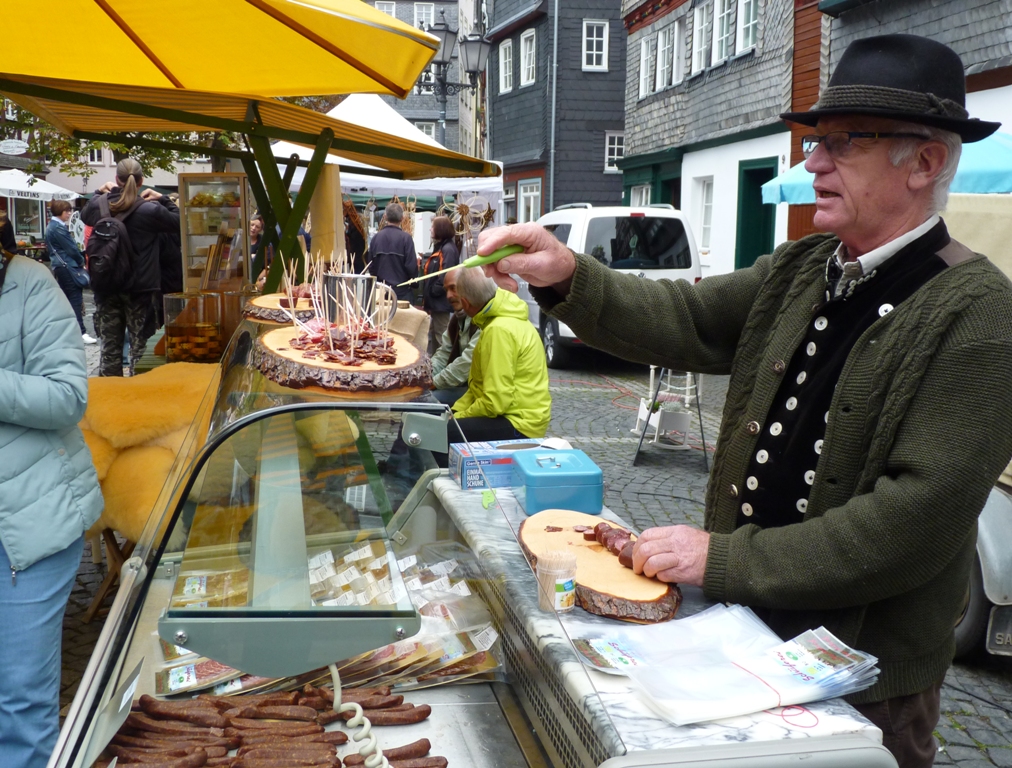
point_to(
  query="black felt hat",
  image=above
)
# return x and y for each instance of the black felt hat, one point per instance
(902, 77)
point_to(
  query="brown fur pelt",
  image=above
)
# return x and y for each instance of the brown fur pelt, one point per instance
(134, 428)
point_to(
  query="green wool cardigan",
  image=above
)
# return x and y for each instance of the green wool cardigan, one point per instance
(918, 432)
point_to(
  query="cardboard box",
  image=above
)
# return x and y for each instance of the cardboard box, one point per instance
(494, 458)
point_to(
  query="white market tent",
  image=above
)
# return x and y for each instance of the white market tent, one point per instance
(17, 184)
(370, 111)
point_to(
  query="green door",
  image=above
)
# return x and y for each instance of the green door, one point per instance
(755, 218)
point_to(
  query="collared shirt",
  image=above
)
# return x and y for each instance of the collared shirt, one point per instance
(866, 264)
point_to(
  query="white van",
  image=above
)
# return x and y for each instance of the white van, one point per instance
(653, 241)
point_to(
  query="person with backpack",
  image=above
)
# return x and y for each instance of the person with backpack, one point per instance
(124, 262)
(445, 254)
(49, 496)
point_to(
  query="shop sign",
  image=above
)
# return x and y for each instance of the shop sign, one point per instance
(13, 147)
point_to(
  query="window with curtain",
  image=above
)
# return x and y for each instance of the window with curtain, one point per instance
(424, 15)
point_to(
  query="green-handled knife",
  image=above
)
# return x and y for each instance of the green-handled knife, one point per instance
(473, 261)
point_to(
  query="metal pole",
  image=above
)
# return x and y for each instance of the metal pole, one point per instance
(441, 100)
(555, 86)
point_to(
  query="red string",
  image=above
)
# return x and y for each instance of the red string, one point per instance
(760, 680)
(795, 711)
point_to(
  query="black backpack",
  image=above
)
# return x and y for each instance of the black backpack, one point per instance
(110, 254)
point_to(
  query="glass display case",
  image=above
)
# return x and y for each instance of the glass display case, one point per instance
(299, 541)
(214, 223)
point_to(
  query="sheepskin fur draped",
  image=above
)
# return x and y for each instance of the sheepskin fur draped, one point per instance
(134, 428)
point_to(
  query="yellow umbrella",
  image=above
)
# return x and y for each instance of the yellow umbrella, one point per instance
(261, 47)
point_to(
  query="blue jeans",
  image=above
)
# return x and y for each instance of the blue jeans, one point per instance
(31, 614)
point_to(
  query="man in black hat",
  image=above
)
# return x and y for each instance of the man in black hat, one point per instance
(868, 406)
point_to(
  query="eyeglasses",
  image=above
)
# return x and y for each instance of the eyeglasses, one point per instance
(840, 143)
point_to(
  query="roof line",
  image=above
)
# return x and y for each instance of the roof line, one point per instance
(119, 21)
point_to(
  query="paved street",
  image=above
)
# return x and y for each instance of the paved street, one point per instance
(594, 408)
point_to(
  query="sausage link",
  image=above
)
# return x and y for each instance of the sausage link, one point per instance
(421, 762)
(257, 762)
(327, 737)
(316, 702)
(143, 722)
(198, 714)
(385, 717)
(127, 755)
(308, 747)
(415, 749)
(287, 712)
(290, 753)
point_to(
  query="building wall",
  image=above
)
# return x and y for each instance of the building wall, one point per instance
(978, 30)
(747, 90)
(423, 107)
(721, 164)
(106, 171)
(589, 104)
(519, 119)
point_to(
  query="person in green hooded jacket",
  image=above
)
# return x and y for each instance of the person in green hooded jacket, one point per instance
(507, 390)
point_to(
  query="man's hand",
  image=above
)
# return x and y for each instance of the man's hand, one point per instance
(150, 194)
(545, 261)
(675, 553)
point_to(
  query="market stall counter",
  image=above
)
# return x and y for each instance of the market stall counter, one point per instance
(302, 552)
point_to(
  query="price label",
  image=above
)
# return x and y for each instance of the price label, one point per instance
(485, 638)
(182, 677)
(195, 585)
(406, 562)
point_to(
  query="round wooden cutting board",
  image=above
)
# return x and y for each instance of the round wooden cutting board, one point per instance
(268, 309)
(603, 587)
(276, 360)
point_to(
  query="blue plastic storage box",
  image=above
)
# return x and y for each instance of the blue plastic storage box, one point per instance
(546, 479)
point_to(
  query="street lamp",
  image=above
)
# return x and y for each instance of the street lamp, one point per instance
(474, 50)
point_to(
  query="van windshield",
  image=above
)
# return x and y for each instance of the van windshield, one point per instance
(638, 242)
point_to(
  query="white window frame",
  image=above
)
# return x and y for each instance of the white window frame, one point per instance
(505, 66)
(639, 195)
(528, 192)
(748, 25)
(10, 110)
(96, 156)
(528, 58)
(614, 150)
(648, 63)
(202, 159)
(428, 128)
(427, 10)
(705, 212)
(665, 58)
(702, 23)
(723, 30)
(678, 54)
(598, 58)
(389, 8)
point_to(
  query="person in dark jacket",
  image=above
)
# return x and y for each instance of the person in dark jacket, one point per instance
(7, 239)
(392, 256)
(63, 253)
(132, 312)
(445, 254)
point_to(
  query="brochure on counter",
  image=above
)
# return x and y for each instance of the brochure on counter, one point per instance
(724, 662)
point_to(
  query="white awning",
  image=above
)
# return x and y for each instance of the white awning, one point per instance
(15, 183)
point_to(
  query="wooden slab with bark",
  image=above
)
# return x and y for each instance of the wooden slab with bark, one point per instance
(603, 586)
(274, 357)
(268, 309)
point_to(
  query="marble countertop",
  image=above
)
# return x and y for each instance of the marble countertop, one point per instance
(614, 709)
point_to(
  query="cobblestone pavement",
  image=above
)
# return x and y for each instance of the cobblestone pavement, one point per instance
(594, 407)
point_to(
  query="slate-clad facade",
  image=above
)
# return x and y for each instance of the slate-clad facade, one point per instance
(588, 104)
(421, 107)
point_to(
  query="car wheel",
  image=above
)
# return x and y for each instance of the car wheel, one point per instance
(556, 355)
(972, 622)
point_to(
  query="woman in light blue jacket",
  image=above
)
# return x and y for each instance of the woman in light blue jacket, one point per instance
(49, 496)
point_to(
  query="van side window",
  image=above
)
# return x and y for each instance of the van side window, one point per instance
(561, 232)
(638, 242)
